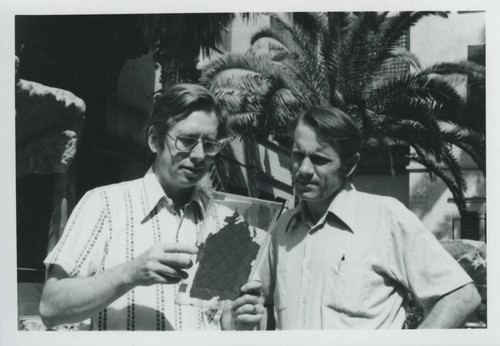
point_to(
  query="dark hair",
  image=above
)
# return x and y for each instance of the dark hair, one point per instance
(334, 127)
(177, 103)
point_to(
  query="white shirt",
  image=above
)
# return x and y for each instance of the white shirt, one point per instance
(354, 267)
(112, 225)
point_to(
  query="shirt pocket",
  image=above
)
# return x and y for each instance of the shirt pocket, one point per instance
(345, 291)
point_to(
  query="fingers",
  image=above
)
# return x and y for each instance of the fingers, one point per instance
(181, 261)
(250, 313)
(249, 319)
(179, 248)
(249, 309)
(252, 287)
(163, 263)
(248, 304)
(175, 257)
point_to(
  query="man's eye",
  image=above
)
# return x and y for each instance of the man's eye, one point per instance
(319, 160)
(188, 140)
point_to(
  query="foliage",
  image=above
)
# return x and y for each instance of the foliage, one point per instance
(177, 38)
(414, 312)
(342, 59)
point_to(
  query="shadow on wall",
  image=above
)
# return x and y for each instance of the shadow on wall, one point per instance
(432, 202)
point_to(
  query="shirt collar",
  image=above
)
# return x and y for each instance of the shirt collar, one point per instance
(154, 194)
(343, 206)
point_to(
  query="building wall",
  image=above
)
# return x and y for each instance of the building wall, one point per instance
(436, 39)
(384, 184)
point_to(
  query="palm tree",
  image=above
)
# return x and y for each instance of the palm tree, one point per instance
(341, 59)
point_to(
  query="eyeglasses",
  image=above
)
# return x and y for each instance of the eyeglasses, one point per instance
(187, 143)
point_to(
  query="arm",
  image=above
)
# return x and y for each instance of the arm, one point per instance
(424, 267)
(70, 300)
(451, 310)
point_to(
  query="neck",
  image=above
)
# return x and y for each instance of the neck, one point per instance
(179, 196)
(316, 209)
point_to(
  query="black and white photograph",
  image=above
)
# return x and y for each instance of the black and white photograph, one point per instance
(249, 174)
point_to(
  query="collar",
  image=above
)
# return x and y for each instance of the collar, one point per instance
(154, 194)
(343, 206)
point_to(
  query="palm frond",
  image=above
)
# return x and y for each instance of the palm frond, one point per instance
(284, 107)
(471, 142)
(390, 31)
(234, 101)
(240, 80)
(308, 23)
(252, 64)
(248, 64)
(303, 42)
(417, 90)
(475, 72)
(396, 56)
(414, 134)
(270, 34)
(355, 42)
(451, 162)
(458, 195)
(245, 124)
(337, 22)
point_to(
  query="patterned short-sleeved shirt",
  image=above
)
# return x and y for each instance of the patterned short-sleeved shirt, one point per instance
(355, 266)
(114, 224)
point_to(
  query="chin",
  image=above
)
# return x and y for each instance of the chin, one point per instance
(188, 181)
(308, 196)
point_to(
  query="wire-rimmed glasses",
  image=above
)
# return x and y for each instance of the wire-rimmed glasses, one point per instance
(185, 143)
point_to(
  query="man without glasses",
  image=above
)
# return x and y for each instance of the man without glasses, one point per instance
(127, 246)
(347, 259)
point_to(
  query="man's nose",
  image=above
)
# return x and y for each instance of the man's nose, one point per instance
(306, 167)
(198, 153)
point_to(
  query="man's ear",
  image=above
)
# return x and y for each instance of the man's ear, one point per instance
(153, 139)
(350, 164)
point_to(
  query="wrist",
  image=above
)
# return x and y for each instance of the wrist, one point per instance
(126, 276)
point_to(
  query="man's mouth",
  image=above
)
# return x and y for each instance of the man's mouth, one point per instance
(302, 182)
(194, 170)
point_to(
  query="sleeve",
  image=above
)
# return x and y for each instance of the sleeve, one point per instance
(81, 248)
(419, 262)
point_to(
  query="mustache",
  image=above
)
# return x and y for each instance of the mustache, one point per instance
(303, 180)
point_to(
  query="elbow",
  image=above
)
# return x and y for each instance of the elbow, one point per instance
(47, 314)
(472, 299)
(476, 298)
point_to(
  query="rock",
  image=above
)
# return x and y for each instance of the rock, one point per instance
(49, 122)
(51, 153)
(471, 255)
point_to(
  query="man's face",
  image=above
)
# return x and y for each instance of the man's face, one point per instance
(316, 166)
(179, 170)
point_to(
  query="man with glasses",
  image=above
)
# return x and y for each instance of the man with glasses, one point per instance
(127, 246)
